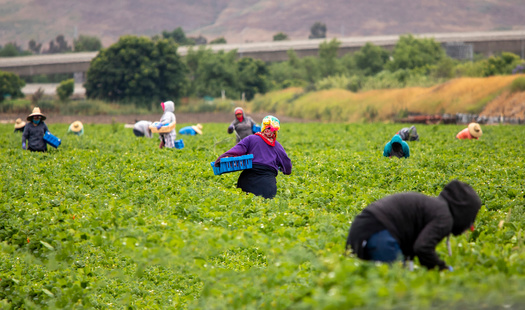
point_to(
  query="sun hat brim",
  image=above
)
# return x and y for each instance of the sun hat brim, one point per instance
(475, 130)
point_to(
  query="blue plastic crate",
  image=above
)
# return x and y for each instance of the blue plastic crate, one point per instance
(179, 144)
(231, 164)
(52, 140)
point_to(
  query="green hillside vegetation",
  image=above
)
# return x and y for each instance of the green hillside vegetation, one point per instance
(109, 221)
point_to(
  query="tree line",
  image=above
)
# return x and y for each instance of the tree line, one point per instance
(142, 70)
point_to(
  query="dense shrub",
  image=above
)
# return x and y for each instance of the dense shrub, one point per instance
(518, 85)
(65, 89)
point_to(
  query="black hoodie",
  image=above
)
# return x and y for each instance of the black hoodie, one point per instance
(418, 222)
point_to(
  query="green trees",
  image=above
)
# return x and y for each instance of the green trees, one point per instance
(371, 59)
(10, 85)
(65, 89)
(317, 31)
(410, 53)
(87, 44)
(253, 77)
(136, 69)
(281, 36)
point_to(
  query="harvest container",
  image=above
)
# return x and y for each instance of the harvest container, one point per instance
(179, 144)
(164, 129)
(52, 140)
(230, 164)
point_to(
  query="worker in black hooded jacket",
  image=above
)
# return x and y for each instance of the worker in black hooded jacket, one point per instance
(412, 224)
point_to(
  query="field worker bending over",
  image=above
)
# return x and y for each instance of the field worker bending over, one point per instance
(412, 224)
(167, 139)
(76, 128)
(191, 130)
(141, 129)
(473, 131)
(34, 132)
(408, 134)
(243, 125)
(19, 125)
(268, 157)
(396, 147)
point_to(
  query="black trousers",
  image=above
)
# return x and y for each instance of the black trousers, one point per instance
(259, 180)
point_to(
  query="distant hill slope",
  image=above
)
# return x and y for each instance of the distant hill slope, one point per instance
(249, 20)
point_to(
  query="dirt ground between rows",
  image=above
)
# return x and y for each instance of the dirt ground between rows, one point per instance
(182, 118)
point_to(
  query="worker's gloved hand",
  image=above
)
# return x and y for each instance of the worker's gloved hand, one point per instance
(23, 145)
(230, 129)
(159, 125)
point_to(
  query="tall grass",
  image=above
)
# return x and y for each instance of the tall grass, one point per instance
(462, 95)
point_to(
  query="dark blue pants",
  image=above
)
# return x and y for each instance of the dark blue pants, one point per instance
(382, 247)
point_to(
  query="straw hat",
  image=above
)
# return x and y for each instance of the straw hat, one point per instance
(36, 111)
(197, 128)
(76, 126)
(475, 130)
(19, 123)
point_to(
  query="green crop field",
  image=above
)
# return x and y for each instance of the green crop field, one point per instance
(110, 221)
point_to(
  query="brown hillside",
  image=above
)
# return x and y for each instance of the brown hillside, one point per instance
(249, 20)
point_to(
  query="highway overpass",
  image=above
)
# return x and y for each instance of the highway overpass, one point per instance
(486, 43)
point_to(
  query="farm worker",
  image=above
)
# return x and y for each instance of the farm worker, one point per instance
(242, 125)
(473, 131)
(34, 132)
(141, 129)
(19, 125)
(412, 224)
(167, 139)
(191, 130)
(268, 157)
(396, 147)
(408, 134)
(76, 128)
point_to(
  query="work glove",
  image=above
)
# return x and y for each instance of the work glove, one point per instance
(159, 126)
(230, 129)
(23, 145)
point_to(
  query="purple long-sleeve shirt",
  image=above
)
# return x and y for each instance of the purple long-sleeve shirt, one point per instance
(263, 154)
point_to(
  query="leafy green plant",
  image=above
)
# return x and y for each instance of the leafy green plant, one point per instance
(108, 220)
(518, 85)
(65, 89)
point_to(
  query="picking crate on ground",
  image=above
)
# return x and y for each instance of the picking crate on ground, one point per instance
(231, 164)
(164, 129)
(179, 144)
(52, 140)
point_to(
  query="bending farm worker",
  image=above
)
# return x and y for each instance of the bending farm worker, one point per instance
(191, 130)
(412, 224)
(473, 131)
(243, 125)
(141, 129)
(76, 128)
(408, 134)
(167, 139)
(34, 132)
(19, 125)
(396, 147)
(268, 158)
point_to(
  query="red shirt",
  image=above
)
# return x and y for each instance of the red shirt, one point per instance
(465, 134)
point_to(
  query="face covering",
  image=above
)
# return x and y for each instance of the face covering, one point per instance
(36, 121)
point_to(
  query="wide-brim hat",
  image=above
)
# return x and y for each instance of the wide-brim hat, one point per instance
(197, 128)
(76, 126)
(475, 130)
(19, 123)
(36, 111)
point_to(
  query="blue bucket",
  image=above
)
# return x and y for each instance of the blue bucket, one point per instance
(179, 144)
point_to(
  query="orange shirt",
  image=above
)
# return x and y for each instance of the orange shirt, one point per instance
(465, 134)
